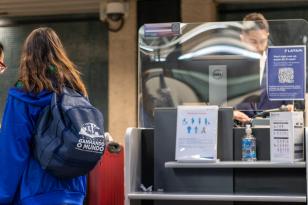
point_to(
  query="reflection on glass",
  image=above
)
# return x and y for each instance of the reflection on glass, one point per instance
(209, 63)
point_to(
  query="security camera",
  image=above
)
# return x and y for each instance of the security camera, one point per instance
(115, 11)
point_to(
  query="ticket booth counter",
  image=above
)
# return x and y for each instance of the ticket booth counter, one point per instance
(211, 64)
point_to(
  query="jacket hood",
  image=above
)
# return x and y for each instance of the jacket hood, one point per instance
(40, 99)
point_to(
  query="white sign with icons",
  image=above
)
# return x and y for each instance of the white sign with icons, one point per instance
(196, 134)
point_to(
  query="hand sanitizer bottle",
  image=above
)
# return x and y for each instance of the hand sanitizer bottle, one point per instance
(249, 145)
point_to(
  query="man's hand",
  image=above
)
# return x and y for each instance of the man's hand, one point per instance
(241, 117)
(290, 107)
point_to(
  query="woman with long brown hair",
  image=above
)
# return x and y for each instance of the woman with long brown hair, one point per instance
(44, 68)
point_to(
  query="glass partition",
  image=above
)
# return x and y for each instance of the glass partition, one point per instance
(222, 63)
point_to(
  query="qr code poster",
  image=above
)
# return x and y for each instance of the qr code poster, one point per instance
(286, 72)
(286, 75)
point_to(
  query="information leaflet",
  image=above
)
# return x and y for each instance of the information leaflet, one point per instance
(196, 134)
(286, 72)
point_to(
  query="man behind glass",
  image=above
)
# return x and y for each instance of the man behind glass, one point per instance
(256, 33)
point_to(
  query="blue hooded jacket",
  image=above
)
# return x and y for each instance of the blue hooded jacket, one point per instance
(22, 180)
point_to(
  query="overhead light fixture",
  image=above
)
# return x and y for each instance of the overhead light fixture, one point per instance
(5, 22)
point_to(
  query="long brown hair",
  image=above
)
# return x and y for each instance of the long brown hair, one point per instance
(44, 64)
(1, 49)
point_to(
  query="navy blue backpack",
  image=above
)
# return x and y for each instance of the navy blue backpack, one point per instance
(69, 137)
